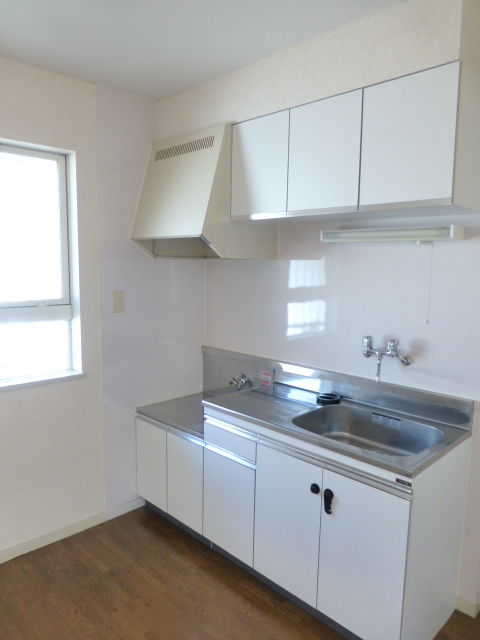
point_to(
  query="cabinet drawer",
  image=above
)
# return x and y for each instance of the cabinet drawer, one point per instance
(226, 438)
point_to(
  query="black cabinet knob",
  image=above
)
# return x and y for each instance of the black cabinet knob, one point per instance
(327, 500)
(314, 488)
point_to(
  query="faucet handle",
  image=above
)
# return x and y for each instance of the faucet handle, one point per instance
(367, 342)
(392, 345)
(233, 381)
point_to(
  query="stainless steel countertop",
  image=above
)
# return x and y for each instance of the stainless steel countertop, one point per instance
(276, 413)
(184, 413)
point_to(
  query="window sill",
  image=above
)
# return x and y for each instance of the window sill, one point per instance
(15, 383)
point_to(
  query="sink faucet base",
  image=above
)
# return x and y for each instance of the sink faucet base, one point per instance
(392, 352)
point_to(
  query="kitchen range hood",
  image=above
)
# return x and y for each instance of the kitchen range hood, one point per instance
(184, 205)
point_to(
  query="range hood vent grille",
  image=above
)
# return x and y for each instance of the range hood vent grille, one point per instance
(188, 147)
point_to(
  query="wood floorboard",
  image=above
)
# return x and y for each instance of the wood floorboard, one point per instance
(138, 577)
(8, 626)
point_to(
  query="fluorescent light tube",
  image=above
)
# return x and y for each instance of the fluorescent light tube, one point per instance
(429, 234)
(266, 216)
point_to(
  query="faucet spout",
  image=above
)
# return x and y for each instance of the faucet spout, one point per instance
(379, 366)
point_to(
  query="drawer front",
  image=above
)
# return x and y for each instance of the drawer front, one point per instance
(230, 441)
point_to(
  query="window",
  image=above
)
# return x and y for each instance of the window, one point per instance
(35, 304)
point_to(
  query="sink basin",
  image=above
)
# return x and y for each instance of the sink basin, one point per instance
(369, 430)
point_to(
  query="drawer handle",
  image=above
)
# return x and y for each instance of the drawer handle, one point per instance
(314, 488)
(327, 500)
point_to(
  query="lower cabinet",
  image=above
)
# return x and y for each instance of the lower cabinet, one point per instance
(152, 463)
(363, 554)
(287, 522)
(337, 544)
(185, 479)
(228, 509)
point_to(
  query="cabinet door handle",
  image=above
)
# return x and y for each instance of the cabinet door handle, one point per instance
(314, 488)
(327, 500)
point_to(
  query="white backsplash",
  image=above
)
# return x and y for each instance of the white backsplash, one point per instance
(314, 305)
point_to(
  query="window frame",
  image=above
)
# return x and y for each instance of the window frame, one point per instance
(58, 308)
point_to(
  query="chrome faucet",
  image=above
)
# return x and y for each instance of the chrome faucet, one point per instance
(392, 352)
(241, 382)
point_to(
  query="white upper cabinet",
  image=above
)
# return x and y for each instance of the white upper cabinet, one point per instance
(259, 166)
(324, 155)
(408, 139)
(409, 143)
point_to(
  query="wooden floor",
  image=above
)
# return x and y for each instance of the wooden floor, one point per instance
(139, 576)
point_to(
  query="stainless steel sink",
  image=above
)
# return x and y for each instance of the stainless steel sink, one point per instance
(370, 430)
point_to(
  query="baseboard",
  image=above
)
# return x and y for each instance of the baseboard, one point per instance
(469, 608)
(69, 530)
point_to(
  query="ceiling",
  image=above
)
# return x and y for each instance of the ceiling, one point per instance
(157, 48)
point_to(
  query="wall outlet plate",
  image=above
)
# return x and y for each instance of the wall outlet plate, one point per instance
(118, 302)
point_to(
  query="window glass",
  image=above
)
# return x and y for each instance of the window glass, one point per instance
(33, 348)
(30, 229)
(35, 307)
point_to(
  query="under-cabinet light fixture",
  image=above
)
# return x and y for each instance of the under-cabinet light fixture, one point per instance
(428, 234)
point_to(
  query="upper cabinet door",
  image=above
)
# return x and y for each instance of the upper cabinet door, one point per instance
(324, 155)
(259, 166)
(408, 140)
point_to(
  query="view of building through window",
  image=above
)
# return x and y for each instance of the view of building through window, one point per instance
(35, 309)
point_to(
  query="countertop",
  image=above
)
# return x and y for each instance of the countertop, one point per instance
(185, 413)
(276, 413)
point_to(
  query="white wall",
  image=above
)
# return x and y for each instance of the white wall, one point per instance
(314, 305)
(470, 40)
(412, 36)
(51, 435)
(151, 352)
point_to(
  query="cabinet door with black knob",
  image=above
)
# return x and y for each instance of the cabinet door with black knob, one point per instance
(363, 547)
(288, 501)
